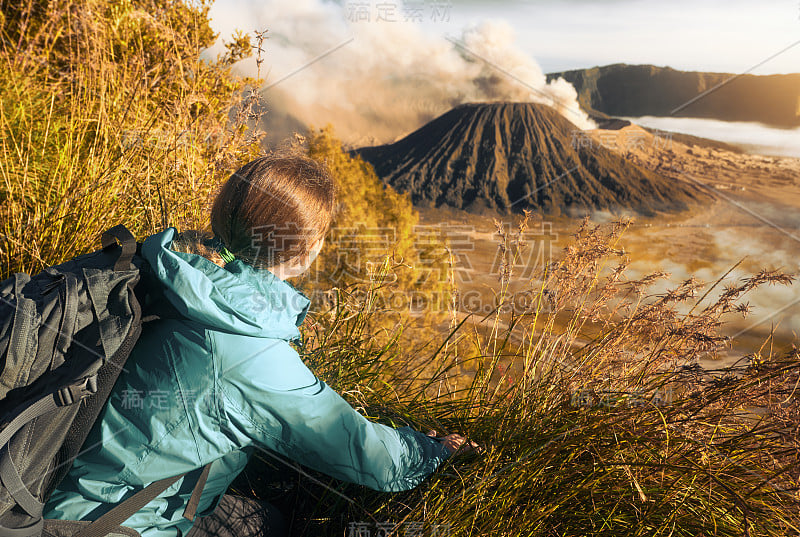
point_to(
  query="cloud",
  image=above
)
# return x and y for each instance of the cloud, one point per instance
(753, 137)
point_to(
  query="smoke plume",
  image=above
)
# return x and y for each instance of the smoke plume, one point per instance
(376, 81)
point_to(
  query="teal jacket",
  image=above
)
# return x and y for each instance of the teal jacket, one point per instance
(216, 385)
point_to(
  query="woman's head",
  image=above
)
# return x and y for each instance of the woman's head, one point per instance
(274, 209)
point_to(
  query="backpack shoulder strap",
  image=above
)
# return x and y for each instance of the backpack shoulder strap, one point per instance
(194, 500)
(119, 514)
(122, 512)
(126, 239)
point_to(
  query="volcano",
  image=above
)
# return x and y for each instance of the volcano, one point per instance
(515, 156)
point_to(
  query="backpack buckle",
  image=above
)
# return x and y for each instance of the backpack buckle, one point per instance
(75, 392)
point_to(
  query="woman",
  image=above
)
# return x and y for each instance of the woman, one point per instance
(216, 377)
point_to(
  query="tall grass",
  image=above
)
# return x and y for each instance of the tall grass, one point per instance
(108, 114)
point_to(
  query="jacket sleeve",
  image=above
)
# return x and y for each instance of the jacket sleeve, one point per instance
(275, 402)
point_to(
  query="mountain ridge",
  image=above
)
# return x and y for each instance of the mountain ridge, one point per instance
(648, 90)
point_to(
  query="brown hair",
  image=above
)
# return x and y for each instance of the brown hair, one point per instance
(270, 210)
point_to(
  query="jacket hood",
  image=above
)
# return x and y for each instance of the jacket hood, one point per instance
(238, 298)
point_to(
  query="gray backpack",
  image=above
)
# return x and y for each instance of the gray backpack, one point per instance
(65, 335)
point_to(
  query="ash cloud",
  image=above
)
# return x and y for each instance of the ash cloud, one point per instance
(392, 78)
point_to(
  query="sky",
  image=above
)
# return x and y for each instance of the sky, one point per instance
(698, 35)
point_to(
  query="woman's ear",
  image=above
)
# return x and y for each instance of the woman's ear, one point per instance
(316, 247)
(298, 265)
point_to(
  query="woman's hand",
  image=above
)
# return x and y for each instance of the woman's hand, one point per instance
(456, 443)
